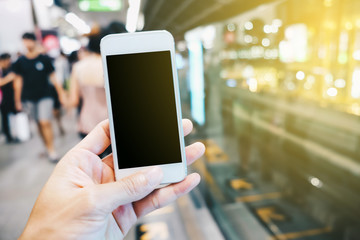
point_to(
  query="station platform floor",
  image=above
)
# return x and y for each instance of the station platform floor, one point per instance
(228, 203)
(24, 169)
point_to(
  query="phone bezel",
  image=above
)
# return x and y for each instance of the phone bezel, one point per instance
(139, 42)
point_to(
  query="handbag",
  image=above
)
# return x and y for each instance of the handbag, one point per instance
(20, 126)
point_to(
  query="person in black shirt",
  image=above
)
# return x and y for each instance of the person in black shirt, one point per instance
(7, 105)
(33, 90)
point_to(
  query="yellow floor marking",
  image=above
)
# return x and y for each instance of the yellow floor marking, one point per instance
(259, 197)
(300, 234)
(156, 230)
(213, 152)
(238, 184)
(267, 214)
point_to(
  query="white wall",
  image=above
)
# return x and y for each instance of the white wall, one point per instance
(15, 19)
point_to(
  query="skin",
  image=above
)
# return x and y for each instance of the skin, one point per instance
(82, 200)
(74, 89)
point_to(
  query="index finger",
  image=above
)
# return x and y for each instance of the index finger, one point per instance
(98, 139)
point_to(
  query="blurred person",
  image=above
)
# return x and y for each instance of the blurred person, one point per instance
(73, 58)
(82, 53)
(115, 27)
(82, 200)
(87, 83)
(57, 110)
(33, 90)
(62, 71)
(87, 77)
(7, 105)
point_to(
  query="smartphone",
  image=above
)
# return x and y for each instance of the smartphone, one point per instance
(143, 102)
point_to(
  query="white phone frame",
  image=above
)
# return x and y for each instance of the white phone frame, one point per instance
(140, 42)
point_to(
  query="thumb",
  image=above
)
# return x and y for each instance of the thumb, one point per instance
(109, 196)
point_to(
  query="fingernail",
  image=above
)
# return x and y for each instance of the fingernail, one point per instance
(154, 176)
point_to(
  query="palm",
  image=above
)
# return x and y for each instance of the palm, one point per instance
(81, 199)
(99, 171)
(126, 215)
(122, 220)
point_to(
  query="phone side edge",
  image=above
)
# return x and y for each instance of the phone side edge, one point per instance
(178, 106)
(109, 108)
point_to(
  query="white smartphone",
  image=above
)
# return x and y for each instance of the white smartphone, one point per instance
(143, 102)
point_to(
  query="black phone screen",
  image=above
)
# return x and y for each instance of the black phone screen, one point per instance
(143, 107)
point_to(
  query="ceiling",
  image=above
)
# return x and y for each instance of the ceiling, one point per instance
(101, 18)
(176, 16)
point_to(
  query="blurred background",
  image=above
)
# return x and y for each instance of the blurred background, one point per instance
(273, 89)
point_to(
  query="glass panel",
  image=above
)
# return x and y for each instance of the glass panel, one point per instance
(282, 98)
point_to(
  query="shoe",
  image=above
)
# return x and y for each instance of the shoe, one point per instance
(53, 157)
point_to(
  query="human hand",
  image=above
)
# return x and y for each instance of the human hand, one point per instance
(82, 200)
(18, 106)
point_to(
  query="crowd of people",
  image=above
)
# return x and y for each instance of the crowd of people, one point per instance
(40, 86)
(75, 203)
